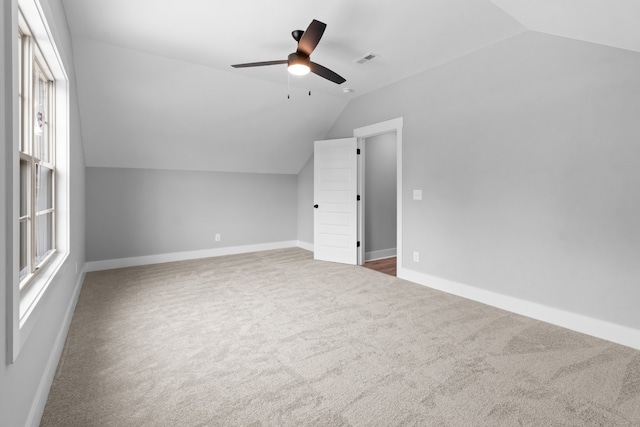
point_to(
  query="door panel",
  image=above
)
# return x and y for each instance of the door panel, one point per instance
(335, 191)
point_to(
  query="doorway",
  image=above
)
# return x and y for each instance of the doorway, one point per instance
(385, 130)
(378, 187)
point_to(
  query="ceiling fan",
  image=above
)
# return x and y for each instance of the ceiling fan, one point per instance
(299, 62)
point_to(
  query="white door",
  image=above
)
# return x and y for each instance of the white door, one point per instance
(335, 185)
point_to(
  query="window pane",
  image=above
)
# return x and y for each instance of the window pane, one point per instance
(24, 247)
(44, 234)
(40, 111)
(24, 187)
(20, 89)
(44, 188)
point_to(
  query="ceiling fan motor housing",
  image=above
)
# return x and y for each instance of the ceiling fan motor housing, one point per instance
(299, 58)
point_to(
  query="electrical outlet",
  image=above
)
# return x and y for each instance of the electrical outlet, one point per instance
(416, 257)
(217, 237)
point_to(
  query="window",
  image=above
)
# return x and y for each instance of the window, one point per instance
(39, 172)
(36, 93)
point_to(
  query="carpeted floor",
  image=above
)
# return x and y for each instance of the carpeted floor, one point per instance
(275, 338)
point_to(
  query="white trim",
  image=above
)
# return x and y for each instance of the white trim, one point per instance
(305, 245)
(30, 298)
(381, 254)
(378, 128)
(389, 126)
(577, 322)
(42, 393)
(36, 20)
(111, 264)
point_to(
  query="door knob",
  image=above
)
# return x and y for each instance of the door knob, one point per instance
(315, 206)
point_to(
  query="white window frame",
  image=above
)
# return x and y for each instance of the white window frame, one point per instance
(33, 67)
(25, 307)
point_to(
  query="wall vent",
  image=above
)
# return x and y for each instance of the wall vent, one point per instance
(366, 58)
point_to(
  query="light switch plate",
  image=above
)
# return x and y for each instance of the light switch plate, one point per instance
(417, 194)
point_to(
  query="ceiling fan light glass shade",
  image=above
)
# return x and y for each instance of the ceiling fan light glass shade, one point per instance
(299, 69)
(299, 65)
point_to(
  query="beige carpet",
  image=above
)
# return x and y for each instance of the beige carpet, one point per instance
(275, 338)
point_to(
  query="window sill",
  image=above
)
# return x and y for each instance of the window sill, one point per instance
(31, 297)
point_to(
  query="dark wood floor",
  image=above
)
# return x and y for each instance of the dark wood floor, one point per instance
(386, 265)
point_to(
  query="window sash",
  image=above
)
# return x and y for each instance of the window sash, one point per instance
(37, 160)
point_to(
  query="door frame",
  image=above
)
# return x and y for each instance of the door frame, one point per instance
(389, 126)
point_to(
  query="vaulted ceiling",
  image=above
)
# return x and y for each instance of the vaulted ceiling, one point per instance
(156, 89)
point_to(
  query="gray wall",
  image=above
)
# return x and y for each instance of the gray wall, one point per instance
(380, 193)
(527, 155)
(21, 381)
(139, 212)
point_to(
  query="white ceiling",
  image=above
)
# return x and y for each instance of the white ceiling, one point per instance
(156, 89)
(609, 22)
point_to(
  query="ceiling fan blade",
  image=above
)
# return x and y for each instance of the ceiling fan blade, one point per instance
(327, 73)
(260, 64)
(311, 37)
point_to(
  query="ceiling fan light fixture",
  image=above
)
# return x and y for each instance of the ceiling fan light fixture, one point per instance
(299, 69)
(298, 64)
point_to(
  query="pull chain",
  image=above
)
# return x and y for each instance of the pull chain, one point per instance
(289, 87)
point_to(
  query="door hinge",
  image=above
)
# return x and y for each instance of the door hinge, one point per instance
(358, 244)
(358, 198)
(358, 151)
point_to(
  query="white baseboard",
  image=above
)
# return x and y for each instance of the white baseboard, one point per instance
(577, 322)
(42, 393)
(381, 254)
(111, 264)
(305, 245)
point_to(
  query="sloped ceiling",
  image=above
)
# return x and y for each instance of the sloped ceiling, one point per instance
(156, 89)
(608, 22)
